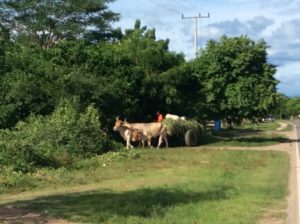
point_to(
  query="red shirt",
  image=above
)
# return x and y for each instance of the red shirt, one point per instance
(160, 118)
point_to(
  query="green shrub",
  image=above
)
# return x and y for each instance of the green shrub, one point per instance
(10, 179)
(56, 140)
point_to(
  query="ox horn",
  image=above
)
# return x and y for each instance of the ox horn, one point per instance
(117, 118)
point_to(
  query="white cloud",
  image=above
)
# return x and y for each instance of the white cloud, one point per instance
(285, 43)
(289, 29)
(253, 28)
(289, 74)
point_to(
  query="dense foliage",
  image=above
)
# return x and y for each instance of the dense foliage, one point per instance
(288, 107)
(54, 140)
(66, 51)
(237, 80)
(46, 22)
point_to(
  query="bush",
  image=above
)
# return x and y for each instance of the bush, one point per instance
(10, 179)
(56, 140)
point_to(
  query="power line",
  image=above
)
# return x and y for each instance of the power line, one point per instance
(190, 5)
(164, 6)
(196, 27)
(182, 4)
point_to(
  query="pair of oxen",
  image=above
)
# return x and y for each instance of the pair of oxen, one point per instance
(141, 132)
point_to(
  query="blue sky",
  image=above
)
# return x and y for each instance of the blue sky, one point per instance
(275, 21)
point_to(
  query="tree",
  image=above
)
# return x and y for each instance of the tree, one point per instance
(287, 107)
(293, 106)
(237, 79)
(151, 55)
(182, 91)
(27, 87)
(49, 21)
(140, 61)
(280, 110)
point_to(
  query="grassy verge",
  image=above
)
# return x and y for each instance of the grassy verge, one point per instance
(167, 186)
(263, 126)
(238, 139)
(289, 126)
(246, 135)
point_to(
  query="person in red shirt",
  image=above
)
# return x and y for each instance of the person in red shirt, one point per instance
(160, 117)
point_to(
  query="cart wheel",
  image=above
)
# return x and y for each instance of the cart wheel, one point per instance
(191, 138)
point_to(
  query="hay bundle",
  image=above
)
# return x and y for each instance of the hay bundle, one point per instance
(180, 127)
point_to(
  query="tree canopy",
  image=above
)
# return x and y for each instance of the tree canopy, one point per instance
(49, 21)
(238, 82)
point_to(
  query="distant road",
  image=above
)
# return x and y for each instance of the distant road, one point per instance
(297, 127)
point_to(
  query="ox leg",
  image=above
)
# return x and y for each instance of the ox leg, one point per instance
(128, 145)
(159, 141)
(143, 143)
(166, 141)
(149, 142)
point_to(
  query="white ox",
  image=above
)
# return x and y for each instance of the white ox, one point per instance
(151, 130)
(174, 117)
(129, 134)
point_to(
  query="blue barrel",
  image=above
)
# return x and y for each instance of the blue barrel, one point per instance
(217, 125)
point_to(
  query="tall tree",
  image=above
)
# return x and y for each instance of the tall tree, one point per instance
(48, 21)
(238, 80)
(149, 58)
(150, 54)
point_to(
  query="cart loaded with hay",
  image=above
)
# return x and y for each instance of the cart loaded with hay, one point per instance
(184, 131)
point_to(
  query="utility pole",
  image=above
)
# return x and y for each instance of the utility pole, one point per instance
(196, 27)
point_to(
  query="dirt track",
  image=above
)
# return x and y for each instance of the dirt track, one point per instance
(10, 215)
(292, 210)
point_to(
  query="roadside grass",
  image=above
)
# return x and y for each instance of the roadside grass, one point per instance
(238, 139)
(262, 126)
(289, 126)
(265, 126)
(182, 185)
(246, 135)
